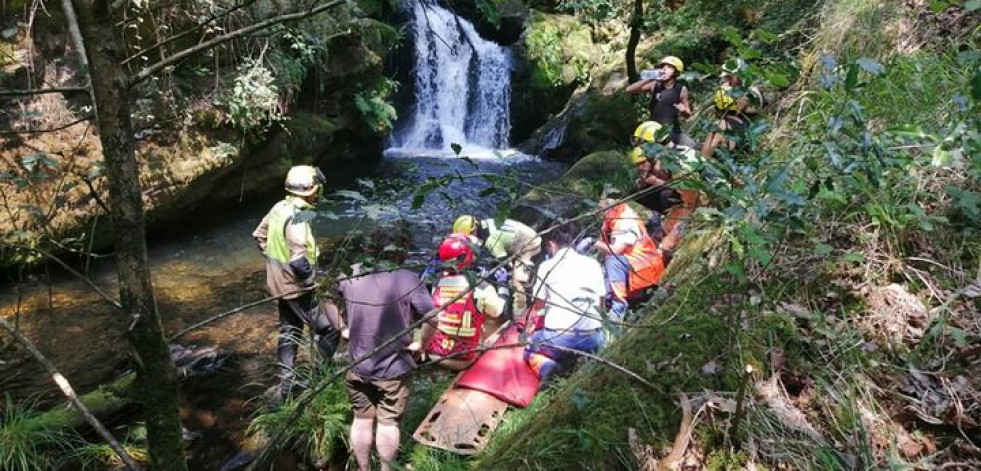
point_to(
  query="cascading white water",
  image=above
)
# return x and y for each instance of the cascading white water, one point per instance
(462, 86)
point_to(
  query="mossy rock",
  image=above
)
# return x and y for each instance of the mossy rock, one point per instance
(573, 193)
(555, 55)
(559, 48)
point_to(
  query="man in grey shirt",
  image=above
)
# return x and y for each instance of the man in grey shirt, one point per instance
(381, 306)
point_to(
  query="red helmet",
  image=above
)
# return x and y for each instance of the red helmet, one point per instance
(456, 247)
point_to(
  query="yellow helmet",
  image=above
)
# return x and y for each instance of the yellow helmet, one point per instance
(465, 224)
(673, 62)
(648, 132)
(637, 156)
(723, 101)
(304, 180)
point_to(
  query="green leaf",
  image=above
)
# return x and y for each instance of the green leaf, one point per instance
(778, 80)
(851, 80)
(938, 6)
(469, 161)
(354, 195)
(765, 36)
(976, 86)
(853, 257)
(972, 5)
(871, 66)
(960, 337)
(487, 192)
(30, 161)
(418, 199)
(366, 183)
(761, 255)
(736, 269)
(823, 249)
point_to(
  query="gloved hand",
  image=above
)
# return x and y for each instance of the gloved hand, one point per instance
(585, 245)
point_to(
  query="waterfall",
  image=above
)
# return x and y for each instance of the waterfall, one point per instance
(462, 86)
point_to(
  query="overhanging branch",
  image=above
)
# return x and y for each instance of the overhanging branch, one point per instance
(42, 91)
(289, 17)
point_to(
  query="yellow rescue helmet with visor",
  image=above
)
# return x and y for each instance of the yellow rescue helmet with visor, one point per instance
(647, 132)
(304, 180)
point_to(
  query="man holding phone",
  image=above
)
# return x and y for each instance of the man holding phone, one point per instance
(669, 99)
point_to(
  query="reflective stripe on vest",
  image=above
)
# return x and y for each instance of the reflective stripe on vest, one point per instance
(279, 216)
(622, 215)
(459, 318)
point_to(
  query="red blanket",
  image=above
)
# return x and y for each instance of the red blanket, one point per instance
(502, 372)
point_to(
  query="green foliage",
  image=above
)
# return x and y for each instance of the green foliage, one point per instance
(319, 429)
(27, 441)
(559, 50)
(375, 107)
(253, 102)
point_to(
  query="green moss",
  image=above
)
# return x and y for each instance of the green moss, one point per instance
(559, 49)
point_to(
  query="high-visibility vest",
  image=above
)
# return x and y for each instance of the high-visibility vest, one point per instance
(459, 318)
(645, 260)
(279, 216)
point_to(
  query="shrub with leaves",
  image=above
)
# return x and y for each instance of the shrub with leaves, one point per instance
(253, 102)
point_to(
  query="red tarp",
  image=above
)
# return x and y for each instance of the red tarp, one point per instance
(502, 372)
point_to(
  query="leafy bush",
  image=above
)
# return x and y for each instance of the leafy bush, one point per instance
(253, 103)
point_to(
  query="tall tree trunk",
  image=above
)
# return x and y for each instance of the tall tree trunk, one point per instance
(156, 375)
(636, 22)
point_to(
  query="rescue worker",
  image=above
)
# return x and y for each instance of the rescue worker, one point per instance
(734, 108)
(670, 205)
(512, 240)
(287, 243)
(455, 340)
(569, 288)
(669, 102)
(633, 261)
(381, 306)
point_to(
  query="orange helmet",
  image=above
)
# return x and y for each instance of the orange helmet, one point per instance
(456, 247)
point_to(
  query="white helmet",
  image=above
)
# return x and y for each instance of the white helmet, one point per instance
(304, 180)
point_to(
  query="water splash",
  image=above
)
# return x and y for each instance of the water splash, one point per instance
(463, 87)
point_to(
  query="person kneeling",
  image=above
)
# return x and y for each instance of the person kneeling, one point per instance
(455, 340)
(569, 287)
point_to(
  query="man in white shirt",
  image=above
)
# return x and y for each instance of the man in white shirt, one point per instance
(569, 287)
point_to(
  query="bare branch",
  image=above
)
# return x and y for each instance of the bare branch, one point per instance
(69, 392)
(54, 129)
(42, 91)
(289, 17)
(229, 313)
(191, 30)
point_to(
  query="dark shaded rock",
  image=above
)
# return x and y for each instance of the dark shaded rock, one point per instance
(509, 24)
(591, 120)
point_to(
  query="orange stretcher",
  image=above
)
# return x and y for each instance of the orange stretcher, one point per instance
(472, 407)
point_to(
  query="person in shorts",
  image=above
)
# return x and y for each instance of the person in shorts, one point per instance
(381, 306)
